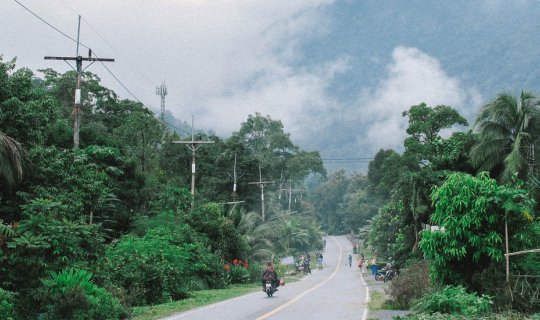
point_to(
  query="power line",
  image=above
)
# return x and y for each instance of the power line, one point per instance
(94, 53)
(50, 25)
(338, 159)
(131, 65)
(343, 160)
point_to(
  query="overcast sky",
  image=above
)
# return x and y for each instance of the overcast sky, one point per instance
(223, 60)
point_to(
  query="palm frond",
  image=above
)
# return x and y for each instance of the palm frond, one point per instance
(10, 159)
(515, 161)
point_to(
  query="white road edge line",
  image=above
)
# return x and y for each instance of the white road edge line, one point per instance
(298, 297)
(187, 313)
(366, 309)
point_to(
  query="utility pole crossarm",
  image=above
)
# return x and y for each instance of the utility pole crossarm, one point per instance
(193, 145)
(79, 58)
(77, 103)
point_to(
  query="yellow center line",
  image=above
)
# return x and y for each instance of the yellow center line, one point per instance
(290, 302)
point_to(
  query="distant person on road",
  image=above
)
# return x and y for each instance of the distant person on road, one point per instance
(307, 269)
(319, 260)
(270, 274)
(362, 266)
(374, 266)
(350, 260)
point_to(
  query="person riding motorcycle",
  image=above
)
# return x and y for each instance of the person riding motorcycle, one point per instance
(270, 274)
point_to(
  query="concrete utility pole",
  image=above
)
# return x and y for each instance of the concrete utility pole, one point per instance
(290, 191)
(193, 146)
(235, 177)
(280, 185)
(261, 185)
(77, 106)
(162, 91)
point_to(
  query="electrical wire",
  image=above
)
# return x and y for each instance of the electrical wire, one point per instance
(342, 159)
(94, 53)
(131, 65)
(50, 25)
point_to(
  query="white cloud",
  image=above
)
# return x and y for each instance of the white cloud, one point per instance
(210, 54)
(413, 77)
(224, 60)
(296, 97)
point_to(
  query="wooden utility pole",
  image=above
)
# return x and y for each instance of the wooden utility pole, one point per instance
(77, 105)
(261, 185)
(193, 146)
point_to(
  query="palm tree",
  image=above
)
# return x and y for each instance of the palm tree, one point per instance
(255, 232)
(508, 129)
(10, 159)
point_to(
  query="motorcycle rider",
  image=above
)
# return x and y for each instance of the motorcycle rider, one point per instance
(270, 274)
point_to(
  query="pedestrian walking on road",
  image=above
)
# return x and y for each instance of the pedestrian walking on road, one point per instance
(350, 260)
(319, 260)
(307, 269)
(361, 266)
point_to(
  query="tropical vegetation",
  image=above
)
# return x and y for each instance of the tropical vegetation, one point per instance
(451, 199)
(91, 233)
(102, 230)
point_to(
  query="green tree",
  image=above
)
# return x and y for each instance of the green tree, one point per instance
(425, 124)
(140, 135)
(470, 213)
(507, 127)
(327, 200)
(274, 150)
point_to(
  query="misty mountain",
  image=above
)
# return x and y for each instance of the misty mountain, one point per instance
(489, 46)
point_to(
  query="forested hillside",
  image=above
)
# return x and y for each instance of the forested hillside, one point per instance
(89, 233)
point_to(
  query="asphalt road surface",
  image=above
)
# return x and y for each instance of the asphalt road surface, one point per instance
(335, 292)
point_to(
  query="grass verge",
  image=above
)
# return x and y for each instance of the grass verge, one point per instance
(379, 302)
(197, 299)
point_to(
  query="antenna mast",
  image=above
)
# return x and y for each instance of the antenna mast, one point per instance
(162, 92)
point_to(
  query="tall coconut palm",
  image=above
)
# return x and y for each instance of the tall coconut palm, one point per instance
(508, 127)
(10, 159)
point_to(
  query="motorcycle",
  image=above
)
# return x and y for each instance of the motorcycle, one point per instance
(389, 275)
(269, 288)
(385, 275)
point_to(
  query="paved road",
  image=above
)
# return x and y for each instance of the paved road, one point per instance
(336, 292)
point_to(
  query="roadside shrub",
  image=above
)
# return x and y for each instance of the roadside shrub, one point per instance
(236, 272)
(7, 300)
(255, 272)
(453, 300)
(163, 265)
(71, 295)
(493, 316)
(411, 283)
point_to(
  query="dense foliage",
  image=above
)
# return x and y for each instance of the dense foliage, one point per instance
(453, 300)
(88, 233)
(435, 201)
